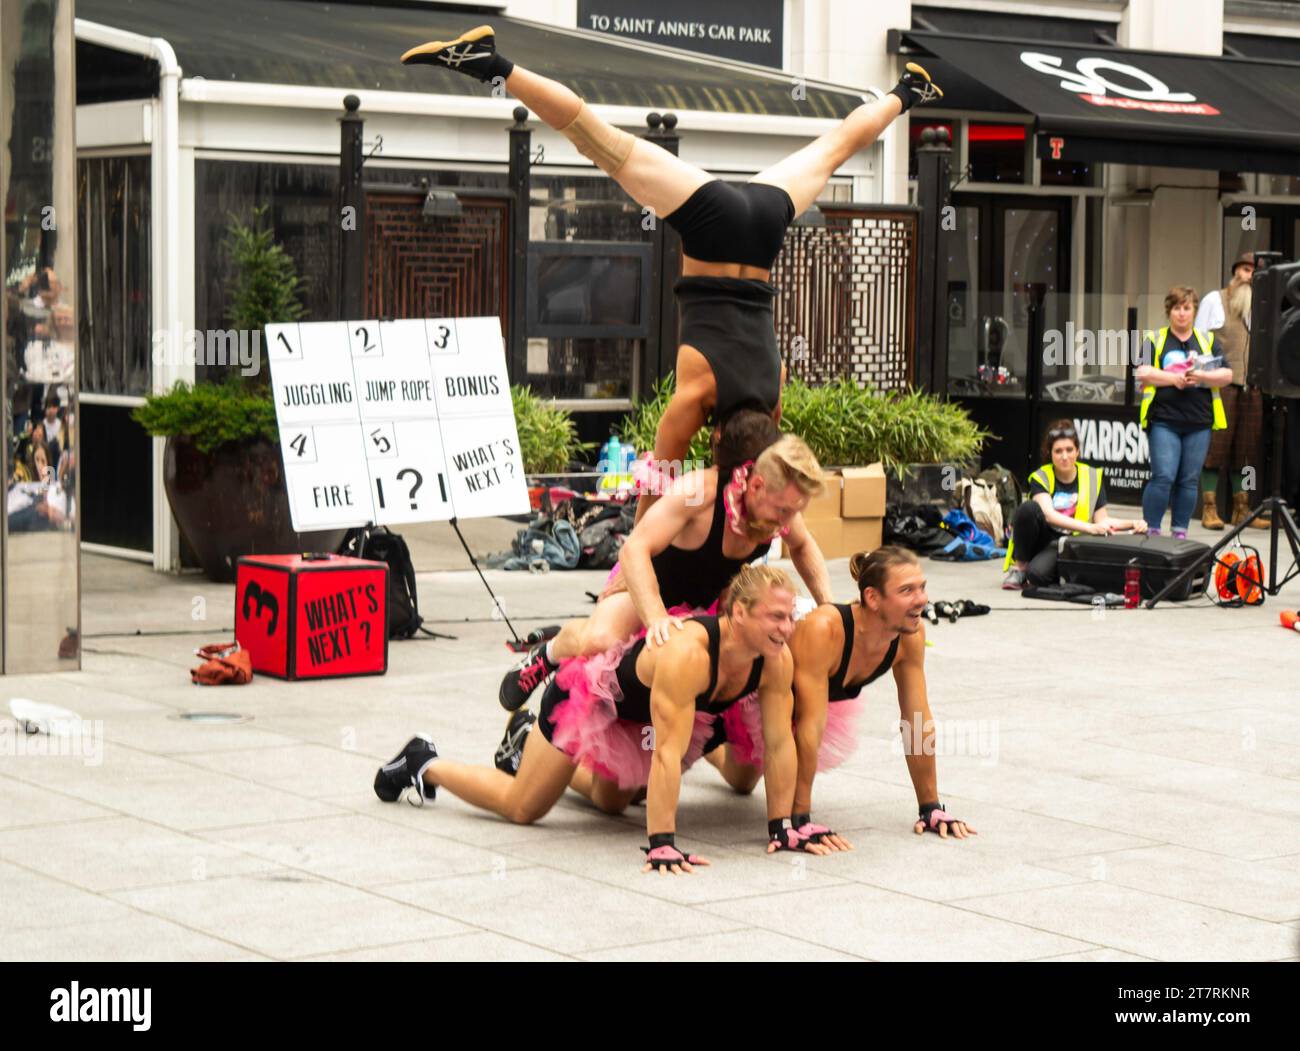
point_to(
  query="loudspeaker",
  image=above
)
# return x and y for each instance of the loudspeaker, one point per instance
(1275, 331)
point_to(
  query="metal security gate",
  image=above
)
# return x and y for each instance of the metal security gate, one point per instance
(444, 266)
(846, 296)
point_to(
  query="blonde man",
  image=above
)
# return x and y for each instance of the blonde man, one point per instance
(686, 549)
(639, 715)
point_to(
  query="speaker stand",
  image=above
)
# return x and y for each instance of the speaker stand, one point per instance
(1282, 521)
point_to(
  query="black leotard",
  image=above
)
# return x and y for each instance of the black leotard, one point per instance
(838, 689)
(697, 577)
(729, 320)
(734, 222)
(635, 704)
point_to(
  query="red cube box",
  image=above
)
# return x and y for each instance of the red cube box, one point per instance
(312, 618)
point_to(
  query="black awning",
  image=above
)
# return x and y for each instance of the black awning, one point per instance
(356, 47)
(1138, 107)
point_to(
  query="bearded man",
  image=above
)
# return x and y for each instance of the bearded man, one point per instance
(1226, 312)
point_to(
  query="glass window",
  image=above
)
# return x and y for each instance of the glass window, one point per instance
(964, 297)
(113, 285)
(300, 203)
(1065, 173)
(1030, 303)
(585, 208)
(997, 153)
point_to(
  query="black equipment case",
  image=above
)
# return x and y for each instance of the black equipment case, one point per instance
(1100, 561)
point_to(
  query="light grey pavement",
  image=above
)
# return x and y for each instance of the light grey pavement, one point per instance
(1134, 776)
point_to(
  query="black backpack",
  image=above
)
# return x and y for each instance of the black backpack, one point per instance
(380, 545)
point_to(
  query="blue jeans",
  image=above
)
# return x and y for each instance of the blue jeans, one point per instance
(1177, 455)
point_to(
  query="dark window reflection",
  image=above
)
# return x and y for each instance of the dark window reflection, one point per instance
(996, 152)
(114, 279)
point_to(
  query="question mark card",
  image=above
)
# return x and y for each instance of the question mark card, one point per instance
(486, 470)
(408, 482)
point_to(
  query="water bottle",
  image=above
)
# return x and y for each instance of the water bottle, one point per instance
(1132, 584)
(625, 480)
(610, 461)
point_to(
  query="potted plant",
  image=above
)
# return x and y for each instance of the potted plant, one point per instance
(222, 467)
(548, 437)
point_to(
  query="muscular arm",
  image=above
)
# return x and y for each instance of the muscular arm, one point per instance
(815, 637)
(808, 561)
(914, 712)
(688, 497)
(681, 673)
(776, 703)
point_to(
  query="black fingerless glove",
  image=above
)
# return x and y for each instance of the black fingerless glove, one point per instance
(781, 831)
(662, 853)
(934, 816)
(803, 824)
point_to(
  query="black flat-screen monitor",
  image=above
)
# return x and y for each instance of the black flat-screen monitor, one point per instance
(588, 290)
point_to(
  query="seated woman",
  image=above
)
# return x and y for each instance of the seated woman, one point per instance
(636, 716)
(1066, 497)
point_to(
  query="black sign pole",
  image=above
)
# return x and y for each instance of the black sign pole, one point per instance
(517, 263)
(352, 224)
(932, 158)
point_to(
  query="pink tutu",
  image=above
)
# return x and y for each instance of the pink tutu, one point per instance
(744, 722)
(587, 727)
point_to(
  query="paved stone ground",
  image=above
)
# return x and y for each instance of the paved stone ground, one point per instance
(1135, 780)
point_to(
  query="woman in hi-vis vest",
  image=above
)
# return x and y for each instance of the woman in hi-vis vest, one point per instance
(1065, 497)
(1180, 407)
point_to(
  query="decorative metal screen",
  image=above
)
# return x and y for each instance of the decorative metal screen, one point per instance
(453, 266)
(846, 297)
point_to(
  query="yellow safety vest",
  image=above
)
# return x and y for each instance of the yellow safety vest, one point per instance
(1089, 493)
(1149, 392)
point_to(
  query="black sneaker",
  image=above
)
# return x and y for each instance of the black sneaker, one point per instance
(519, 683)
(511, 750)
(473, 53)
(406, 770)
(918, 86)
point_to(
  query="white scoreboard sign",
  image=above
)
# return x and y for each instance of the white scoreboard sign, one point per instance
(395, 421)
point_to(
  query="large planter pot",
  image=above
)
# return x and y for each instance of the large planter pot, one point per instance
(233, 502)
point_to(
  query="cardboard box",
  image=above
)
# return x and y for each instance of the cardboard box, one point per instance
(864, 492)
(861, 534)
(312, 618)
(829, 534)
(828, 504)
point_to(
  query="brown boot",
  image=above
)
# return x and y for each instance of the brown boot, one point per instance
(1241, 511)
(1210, 512)
(1264, 521)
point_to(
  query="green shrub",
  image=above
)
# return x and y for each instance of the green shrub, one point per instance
(265, 285)
(210, 414)
(845, 424)
(548, 437)
(640, 424)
